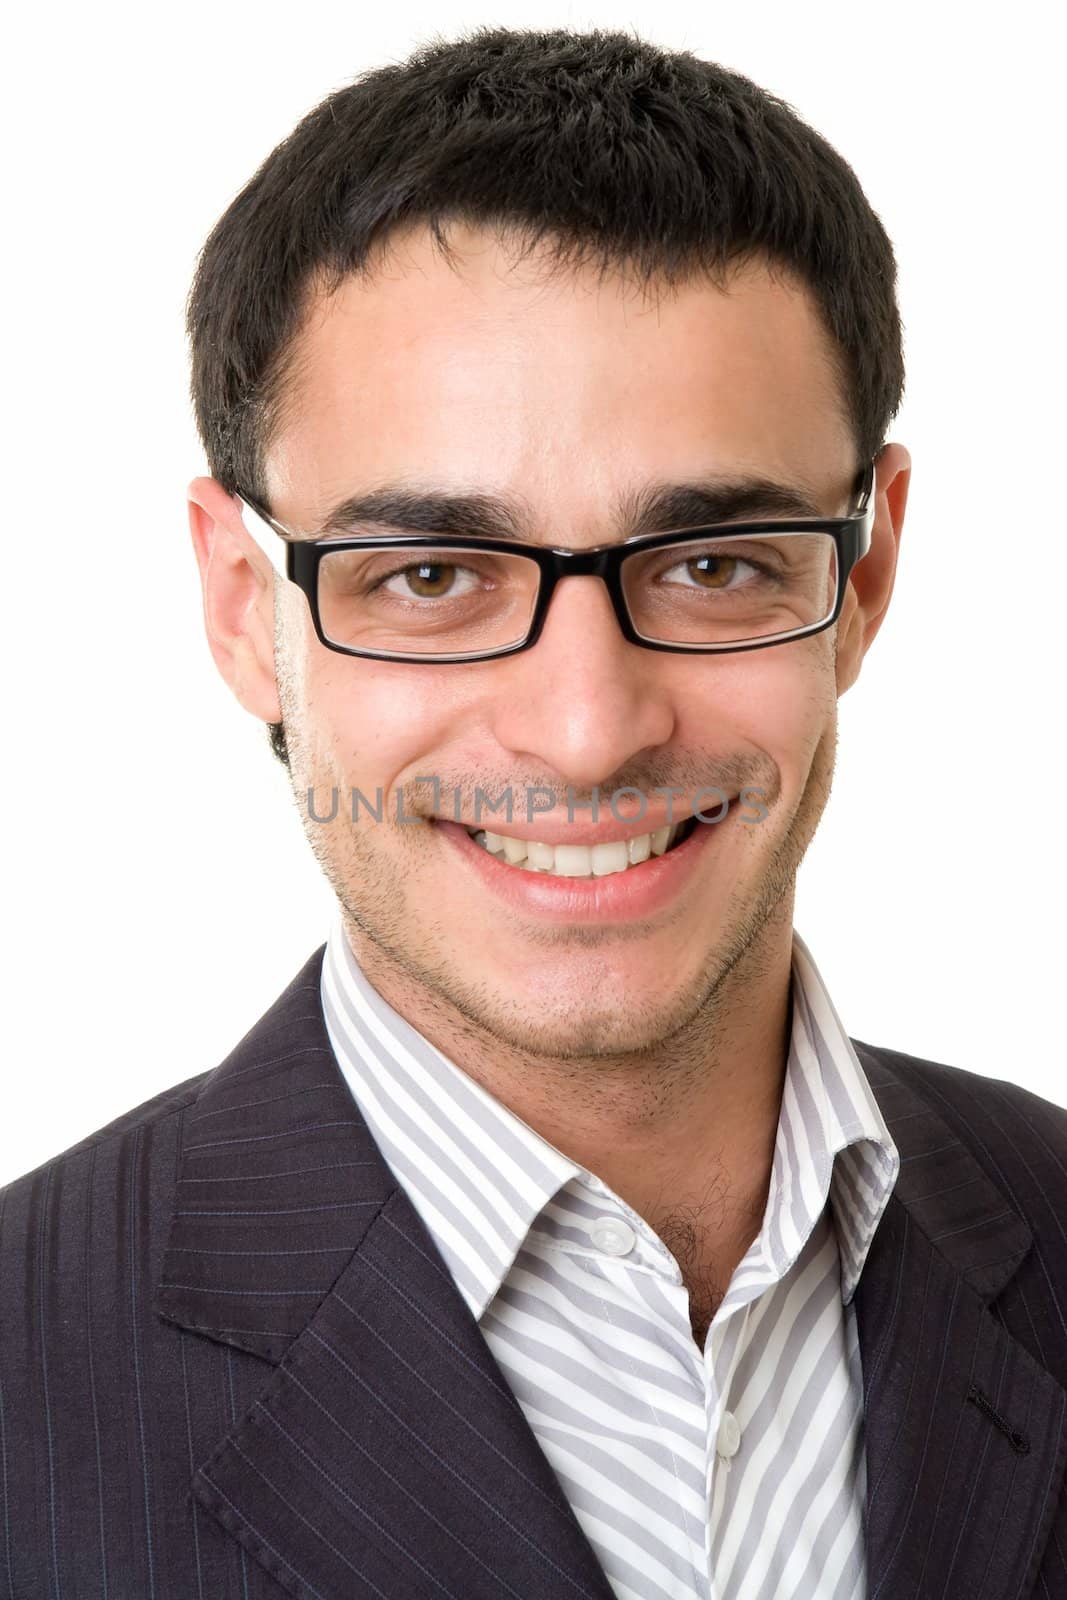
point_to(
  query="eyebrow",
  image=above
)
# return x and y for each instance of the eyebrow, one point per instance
(659, 508)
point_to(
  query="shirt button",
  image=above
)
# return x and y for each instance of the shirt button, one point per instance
(613, 1236)
(729, 1438)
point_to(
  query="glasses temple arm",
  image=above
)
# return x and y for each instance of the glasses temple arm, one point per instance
(264, 534)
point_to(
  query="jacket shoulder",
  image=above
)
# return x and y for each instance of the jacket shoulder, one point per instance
(959, 1088)
(1017, 1136)
(161, 1113)
(161, 1106)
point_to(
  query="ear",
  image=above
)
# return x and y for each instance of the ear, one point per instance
(870, 583)
(237, 581)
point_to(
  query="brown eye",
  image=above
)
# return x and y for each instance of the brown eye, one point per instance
(430, 579)
(712, 572)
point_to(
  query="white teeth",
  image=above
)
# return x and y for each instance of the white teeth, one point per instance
(579, 860)
(573, 861)
(610, 857)
(640, 848)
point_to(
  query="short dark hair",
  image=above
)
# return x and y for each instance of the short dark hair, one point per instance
(598, 145)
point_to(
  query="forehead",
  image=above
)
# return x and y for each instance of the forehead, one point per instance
(484, 371)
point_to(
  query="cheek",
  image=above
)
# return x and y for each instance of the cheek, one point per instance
(803, 714)
(383, 722)
(778, 701)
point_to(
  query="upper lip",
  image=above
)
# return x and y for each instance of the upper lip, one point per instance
(551, 828)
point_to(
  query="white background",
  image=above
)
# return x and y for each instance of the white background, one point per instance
(158, 889)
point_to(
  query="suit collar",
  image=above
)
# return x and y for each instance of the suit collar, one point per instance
(965, 1432)
(278, 1182)
(942, 1188)
(291, 1239)
(387, 1455)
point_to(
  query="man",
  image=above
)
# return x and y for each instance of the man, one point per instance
(549, 1236)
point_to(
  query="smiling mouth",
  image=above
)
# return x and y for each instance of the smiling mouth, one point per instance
(582, 860)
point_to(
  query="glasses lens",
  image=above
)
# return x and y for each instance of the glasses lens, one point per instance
(728, 591)
(431, 600)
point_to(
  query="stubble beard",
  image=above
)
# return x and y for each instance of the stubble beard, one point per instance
(411, 962)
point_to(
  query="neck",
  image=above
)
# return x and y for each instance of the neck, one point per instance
(683, 1132)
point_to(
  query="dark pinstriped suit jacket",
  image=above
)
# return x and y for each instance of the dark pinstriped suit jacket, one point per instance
(233, 1365)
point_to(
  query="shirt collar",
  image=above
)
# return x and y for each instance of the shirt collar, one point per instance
(479, 1176)
(832, 1136)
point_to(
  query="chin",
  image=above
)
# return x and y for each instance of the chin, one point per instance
(615, 1020)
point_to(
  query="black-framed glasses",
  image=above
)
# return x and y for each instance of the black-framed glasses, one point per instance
(701, 590)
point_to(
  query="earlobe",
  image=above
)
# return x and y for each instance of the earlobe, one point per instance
(871, 582)
(237, 588)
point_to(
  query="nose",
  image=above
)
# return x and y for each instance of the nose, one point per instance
(583, 701)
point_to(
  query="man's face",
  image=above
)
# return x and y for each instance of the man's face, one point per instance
(567, 397)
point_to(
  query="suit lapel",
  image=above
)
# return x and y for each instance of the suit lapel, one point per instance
(386, 1454)
(966, 1441)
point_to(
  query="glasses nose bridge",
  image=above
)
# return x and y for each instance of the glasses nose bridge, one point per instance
(581, 563)
(599, 563)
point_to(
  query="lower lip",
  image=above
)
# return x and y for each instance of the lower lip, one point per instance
(619, 897)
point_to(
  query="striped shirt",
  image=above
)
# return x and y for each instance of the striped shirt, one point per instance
(733, 1473)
